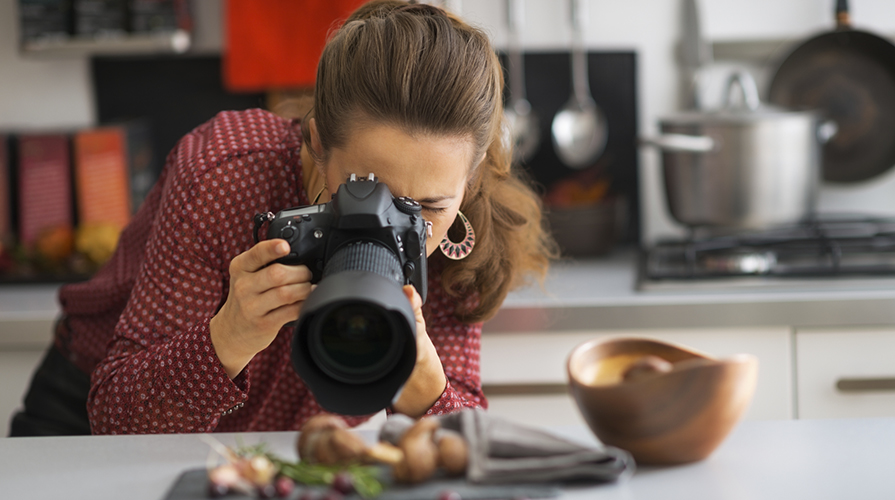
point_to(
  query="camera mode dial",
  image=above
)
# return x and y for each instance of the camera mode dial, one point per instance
(408, 205)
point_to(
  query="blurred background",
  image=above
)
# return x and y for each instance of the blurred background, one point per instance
(94, 93)
(154, 69)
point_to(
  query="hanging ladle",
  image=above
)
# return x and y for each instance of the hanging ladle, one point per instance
(522, 121)
(579, 128)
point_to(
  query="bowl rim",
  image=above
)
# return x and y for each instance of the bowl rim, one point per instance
(709, 360)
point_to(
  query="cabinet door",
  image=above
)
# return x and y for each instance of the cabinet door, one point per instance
(845, 373)
(524, 374)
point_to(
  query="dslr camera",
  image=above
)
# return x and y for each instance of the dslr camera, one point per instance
(354, 343)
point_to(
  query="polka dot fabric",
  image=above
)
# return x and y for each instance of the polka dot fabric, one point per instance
(141, 324)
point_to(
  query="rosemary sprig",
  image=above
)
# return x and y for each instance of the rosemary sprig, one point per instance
(365, 478)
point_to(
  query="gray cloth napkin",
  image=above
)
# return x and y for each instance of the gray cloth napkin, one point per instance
(501, 451)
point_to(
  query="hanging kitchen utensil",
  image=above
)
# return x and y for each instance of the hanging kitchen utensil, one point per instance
(849, 76)
(522, 121)
(579, 128)
(696, 55)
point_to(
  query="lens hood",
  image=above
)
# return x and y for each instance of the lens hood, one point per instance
(354, 344)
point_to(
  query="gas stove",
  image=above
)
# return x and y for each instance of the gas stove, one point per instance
(847, 250)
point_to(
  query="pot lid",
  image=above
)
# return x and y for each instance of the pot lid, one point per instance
(736, 116)
(748, 109)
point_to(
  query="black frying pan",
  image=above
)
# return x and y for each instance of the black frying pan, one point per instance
(849, 76)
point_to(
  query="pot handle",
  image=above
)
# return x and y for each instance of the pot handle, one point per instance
(681, 143)
(843, 19)
(747, 86)
(826, 130)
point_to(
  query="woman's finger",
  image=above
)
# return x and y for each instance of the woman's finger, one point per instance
(259, 256)
(284, 314)
(276, 275)
(413, 296)
(416, 303)
(279, 296)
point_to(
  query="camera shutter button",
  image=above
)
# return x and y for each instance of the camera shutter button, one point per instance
(287, 233)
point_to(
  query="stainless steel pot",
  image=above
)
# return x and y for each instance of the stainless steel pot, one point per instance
(744, 166)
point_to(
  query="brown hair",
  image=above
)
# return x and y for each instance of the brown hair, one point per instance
(399, 63)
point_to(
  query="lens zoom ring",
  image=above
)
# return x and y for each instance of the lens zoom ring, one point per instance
(365, 256)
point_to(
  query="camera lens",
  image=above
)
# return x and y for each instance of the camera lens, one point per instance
(355, 342)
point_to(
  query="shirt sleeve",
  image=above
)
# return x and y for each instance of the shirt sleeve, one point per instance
(458, 345)
(175, 386)
(161, 373)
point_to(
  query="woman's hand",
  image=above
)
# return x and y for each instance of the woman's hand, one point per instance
(427, 381)
(261, 300)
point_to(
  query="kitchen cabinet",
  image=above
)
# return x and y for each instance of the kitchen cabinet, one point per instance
(523, 374)
(845, 372)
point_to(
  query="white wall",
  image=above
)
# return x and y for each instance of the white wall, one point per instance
(39, 93)
(57, 93)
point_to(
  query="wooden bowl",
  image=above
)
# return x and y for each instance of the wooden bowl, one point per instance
(663, 417)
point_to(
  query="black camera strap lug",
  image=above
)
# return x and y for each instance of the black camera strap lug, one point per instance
(260, 219)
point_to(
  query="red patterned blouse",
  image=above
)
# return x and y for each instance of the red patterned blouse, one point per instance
(141, 324)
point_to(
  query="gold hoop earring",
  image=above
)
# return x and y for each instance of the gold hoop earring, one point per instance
(462, 249)
(319, 194)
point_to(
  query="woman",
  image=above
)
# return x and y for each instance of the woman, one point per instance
(183, 329)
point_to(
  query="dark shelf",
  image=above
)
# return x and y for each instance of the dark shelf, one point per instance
(173, 42)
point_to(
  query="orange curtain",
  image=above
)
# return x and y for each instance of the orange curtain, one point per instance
(275, 44)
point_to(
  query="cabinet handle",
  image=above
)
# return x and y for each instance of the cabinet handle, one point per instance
(865, 384)
(532, 389)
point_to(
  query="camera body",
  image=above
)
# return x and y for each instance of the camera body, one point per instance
(363, 209)
(354, 343)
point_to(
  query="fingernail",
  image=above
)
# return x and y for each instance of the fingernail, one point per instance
(282, 248)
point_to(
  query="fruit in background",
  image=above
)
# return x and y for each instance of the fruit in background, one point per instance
(54, 244)
(586, 188)
(97, 241)
(569, 193)
(6, 258)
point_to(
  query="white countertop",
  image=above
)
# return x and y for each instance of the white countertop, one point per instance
(27, 314)
(761, 460)
(22, 302)
(613, 280)
(602, 293)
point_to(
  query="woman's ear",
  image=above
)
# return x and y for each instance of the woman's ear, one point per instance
(480, 160)
(475, 172)
(315, 138)
(317, 147)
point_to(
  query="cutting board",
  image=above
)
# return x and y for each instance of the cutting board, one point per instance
(193, 485)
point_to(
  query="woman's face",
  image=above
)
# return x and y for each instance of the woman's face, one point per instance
(431, 169)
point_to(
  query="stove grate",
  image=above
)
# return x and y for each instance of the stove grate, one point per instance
(821, 247)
